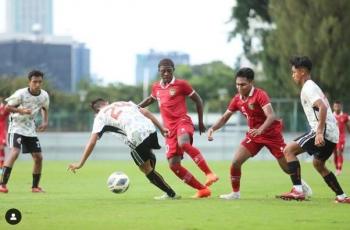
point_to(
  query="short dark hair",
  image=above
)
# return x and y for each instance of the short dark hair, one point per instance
(246, 73)
(36, 73)
(96, 104)
(166, 62)
(337, 102)
(301, 62)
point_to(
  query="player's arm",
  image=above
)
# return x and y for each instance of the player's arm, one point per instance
(322, 114)
(270, 118)
(146, 102)
(45, 120)
(219, 123)
(87, 152)
(15, 109)
(199, 106)
(155, 121)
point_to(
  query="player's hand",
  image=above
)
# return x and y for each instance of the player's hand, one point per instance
(165, 132)
(319, 140)
(25, 111)
(210, 134)
(74, 166)
(42, 127)
(201, 127)
(255, 132)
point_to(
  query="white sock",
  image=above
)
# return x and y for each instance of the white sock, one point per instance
(342, 196)
(298, 188)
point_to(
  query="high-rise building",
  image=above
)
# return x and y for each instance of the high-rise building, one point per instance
(64, 61)
(29, 16)
(147, 64)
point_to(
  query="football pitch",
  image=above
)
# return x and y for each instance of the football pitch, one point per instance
(82, 200)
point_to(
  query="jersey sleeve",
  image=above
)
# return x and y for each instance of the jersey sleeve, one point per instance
(262, 98)
(311, 92)
(153, 91)
(186, 88)
(46, 102)
(232, 106)
(15, 99)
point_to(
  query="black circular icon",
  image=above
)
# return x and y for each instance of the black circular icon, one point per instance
(13, 216)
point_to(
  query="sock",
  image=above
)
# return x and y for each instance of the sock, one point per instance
(332, 182)
(294, 172)
(6, 172)
(36, 179)
(235, 178)
(186, 176)
(335, 160)
(2, 157)
(340, 161)
(156, 179)
(197, 157)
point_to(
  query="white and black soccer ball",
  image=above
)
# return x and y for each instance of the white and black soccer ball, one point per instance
(118, 182)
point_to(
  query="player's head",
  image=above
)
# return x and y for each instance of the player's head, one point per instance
(301, 68)
(98, 104)
(244, 80)
(35, 78)
(337, 107)
(166, 69)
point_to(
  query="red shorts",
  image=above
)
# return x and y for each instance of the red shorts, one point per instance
(275, 144)
(340, 146)
(172, 146)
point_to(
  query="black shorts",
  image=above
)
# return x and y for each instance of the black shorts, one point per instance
(27, 144)
(143, 151)
(307, 143)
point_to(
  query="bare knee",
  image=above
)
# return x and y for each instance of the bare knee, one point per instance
(38, 158)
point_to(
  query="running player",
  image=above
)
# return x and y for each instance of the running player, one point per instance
(319, 141)
(171, 95)
(134, 126)
(3, 131)
(24, 104)
(264, 129)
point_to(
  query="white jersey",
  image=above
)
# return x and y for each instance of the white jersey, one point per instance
(309, 94)
(125, 120)
(24, 124)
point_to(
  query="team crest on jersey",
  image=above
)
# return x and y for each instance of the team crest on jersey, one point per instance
(19, 140)
(251, 106)
(172, 91)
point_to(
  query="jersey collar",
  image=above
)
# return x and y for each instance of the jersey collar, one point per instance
(250, 93)
(166, 86)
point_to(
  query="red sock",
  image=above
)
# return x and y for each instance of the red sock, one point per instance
(186, 176)
(340, 161)
(335, 159)
(197, 157)
(2, 157)
(235, 178)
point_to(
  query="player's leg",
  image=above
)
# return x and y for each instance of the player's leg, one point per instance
(15, 148)
(2, 155)
(184, 138)
(242, 154)
(339, 157)
(37, 168)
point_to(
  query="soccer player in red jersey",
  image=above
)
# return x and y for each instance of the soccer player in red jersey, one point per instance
(3, 130)
(343, 121)
(264, 129)
(171, 95)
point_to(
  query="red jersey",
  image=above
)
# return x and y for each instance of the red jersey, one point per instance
(342, 120)
(172, 101)
(251, 108)
(3, 122)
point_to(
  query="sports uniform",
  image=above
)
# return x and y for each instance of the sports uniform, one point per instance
(3, 132)
(342, 120)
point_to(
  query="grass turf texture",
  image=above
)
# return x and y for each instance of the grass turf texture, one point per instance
(82, 200)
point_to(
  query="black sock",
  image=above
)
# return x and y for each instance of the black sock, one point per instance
(6, 172)
(156, 179)
(332, 182)
(36, 179)
(294, 172)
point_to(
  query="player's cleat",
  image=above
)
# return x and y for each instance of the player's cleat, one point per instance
(3, 189)
(211, 178)
(231, 196)
(306, 188)
(167, 197)
(202, 193)
(345, 200)
(292, 195)
(37, 190)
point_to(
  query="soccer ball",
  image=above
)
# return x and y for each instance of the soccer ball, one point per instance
(118, 182)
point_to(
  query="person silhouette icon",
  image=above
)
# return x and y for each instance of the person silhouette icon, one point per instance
(13, 216)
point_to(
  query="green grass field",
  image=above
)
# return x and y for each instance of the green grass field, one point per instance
(82, 200)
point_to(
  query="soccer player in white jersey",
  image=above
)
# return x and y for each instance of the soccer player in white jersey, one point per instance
(24, 105)
(135, 127)
(320, 140)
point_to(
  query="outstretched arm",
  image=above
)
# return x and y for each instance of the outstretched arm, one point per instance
(218, 124)
(88, 150)
(199, 106)
(146, 102)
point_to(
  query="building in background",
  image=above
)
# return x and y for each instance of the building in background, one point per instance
(147, 64)
(27, 16)
(64, 61)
